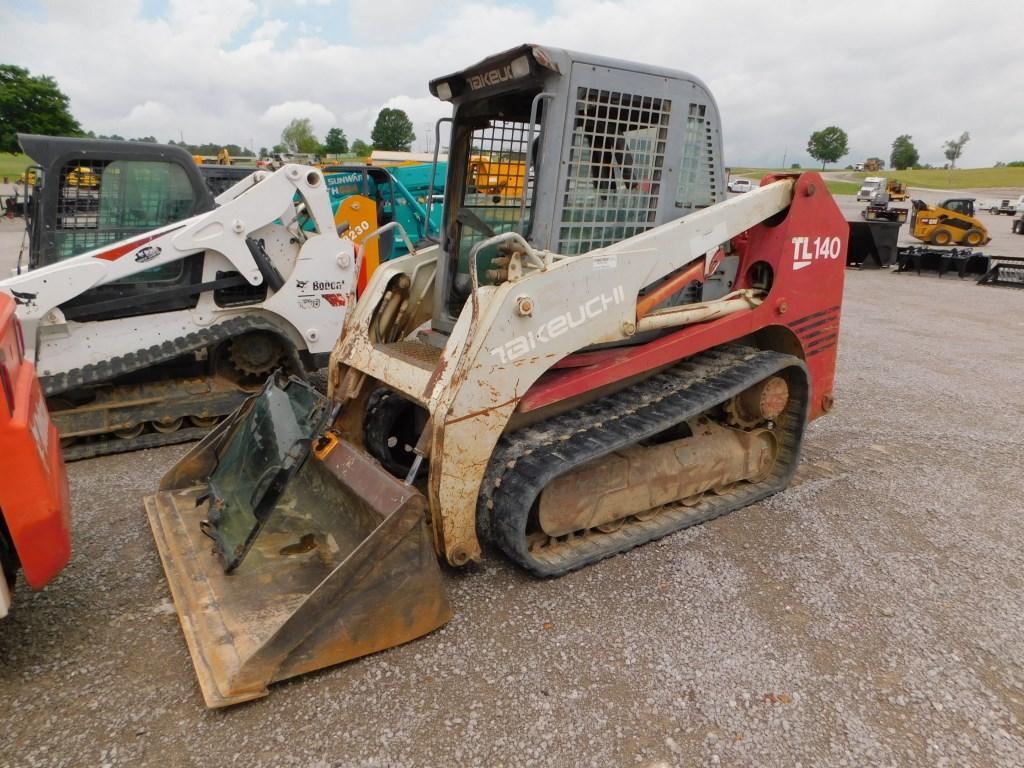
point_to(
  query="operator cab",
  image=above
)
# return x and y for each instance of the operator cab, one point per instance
(573, 151)
(964, 205)
(93, 192)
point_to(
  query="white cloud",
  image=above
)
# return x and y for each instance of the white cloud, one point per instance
(398, 20)
(270, 29)
(150, 118)
(279, 115)
(238, 70)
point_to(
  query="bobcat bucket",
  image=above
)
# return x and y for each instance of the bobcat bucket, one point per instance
(288, 550)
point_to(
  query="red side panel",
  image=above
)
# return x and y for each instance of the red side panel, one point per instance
(806, 252)
(34, 496)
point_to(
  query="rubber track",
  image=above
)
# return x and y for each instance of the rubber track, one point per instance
(158, 353)
(526, 460)
(104, 446)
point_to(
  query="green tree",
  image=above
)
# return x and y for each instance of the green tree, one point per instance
(279, 149)
(335, 142)
(876, 163)
(393, 130)
(827, 145)
(904, 153)
(955, 147)
(264, 152)
(361, 148)
(298, 136)
(31, 105)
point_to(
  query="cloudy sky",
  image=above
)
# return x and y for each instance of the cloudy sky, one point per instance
(236, 71)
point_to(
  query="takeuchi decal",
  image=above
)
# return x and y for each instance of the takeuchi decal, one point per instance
(515, 348)
(491, 77)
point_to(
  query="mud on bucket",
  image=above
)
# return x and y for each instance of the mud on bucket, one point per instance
(318, 554)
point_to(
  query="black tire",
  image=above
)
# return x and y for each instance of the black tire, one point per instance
(974, 238)
(391, 428)
(941, 236)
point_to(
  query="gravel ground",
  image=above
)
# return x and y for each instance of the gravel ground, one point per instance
(870, 615)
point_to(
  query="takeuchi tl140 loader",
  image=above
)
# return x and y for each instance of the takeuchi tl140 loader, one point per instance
(150, 338)
(610, 352)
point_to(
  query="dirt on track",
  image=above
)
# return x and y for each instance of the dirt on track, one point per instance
(872, 614)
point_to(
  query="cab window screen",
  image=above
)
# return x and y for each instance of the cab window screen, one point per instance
(104, 203)
(616, 162)
(497, 181)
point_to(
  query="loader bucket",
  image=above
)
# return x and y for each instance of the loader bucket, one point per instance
(872, 243)
(339, 562)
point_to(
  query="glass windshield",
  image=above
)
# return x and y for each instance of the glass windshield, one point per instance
(268, 443)
(106, 202)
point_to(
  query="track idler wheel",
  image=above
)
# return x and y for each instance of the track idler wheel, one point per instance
(765, 401)
(166, 426)
(130, 433)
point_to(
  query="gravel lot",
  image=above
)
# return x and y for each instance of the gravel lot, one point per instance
(873, 614)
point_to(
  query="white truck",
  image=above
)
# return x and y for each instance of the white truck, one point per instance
(1007, 206)
(1018, 222)
(871, 186)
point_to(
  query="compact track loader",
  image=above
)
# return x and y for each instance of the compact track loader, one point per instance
(609, 353)
(181, 304)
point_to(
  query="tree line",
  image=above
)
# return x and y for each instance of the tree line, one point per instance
(830, 144)
(391, 131)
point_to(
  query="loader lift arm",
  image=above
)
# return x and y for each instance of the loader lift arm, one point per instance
(272, 289)
(226, 230)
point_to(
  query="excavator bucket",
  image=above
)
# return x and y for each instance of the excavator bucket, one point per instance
(288, 550)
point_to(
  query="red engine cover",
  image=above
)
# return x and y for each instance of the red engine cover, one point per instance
(806, 252)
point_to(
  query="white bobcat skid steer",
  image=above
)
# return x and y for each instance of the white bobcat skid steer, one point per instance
(151, 340)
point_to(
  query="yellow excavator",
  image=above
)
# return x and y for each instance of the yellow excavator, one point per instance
(951, 222)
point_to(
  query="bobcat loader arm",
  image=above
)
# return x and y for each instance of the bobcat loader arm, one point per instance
(228, 230)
